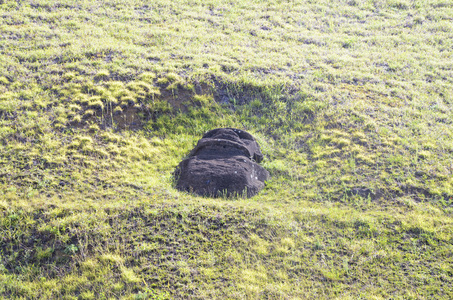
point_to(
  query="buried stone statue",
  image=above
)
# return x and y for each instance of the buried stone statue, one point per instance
(224, 163)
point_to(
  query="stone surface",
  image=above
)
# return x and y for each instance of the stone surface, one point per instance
(223, 163)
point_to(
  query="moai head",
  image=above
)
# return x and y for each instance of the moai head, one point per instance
(224, 162)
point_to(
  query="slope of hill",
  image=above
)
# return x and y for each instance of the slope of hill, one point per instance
(350, 101)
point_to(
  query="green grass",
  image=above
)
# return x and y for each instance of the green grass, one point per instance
(350, 102)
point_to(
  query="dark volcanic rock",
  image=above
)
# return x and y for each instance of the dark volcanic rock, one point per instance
(224, 162)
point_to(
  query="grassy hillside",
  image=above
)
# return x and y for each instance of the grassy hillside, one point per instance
(351, 102)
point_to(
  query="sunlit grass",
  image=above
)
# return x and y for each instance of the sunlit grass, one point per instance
(350, 102)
